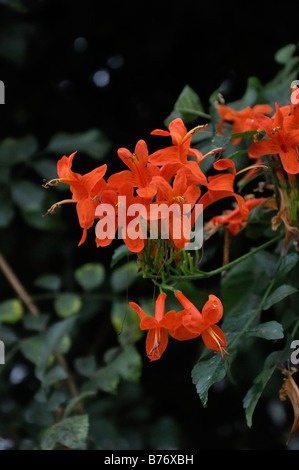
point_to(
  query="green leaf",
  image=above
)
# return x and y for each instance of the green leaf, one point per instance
(86, 366)
(92, 142)
(124, 276)
(54, 336)
(249, 276)
(243, 135)
(67, 304)
(279, 294)
(31, 348)
(11, 311)
(119, 253)
(254, 393)
(14, 151)
(188, 107)
(28, 196)
(70, 432)
(6, 213)
(90, 275)
(206, 373)
(50, 282)
(123, 365)
(269, 330)
(284, 55)
(54, 375)
(287, 264)
(250, 97)
(125, 322)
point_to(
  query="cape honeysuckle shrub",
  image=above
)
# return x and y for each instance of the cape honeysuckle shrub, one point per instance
(171, 190)
(209, 224)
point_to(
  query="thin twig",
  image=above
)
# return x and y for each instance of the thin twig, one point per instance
(25, 297)
(16, 284)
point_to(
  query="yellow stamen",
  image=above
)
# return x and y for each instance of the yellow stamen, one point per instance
(214, 151)
(134, 158)
(56, 181)
(252, 167)
(194, 131)
(179, 199)
(276, 129)
(217, 339)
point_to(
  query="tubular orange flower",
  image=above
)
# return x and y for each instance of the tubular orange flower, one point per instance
(243, 120)
(190, 323)
(157, 337)
(140, 170)
(222, 185)
(118, 218)
(84, 189)
(175, 157)
(234, 219)
(283, 139)
(181, 197)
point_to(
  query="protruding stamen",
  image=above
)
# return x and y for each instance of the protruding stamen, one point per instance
(58, 204)
(222, 347)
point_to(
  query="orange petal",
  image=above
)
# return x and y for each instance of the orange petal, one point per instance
(212, 311)
(214, 338)
(156, 343)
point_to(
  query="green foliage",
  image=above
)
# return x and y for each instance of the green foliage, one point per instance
(82, 344)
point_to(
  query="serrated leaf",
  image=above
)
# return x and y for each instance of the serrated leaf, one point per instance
(279, 294)
(70, 432)
(11, 311)
(90, 275)
(92, 142)
(206, 373)
(67, 304)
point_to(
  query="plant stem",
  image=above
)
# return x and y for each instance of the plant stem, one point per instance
(25, 297)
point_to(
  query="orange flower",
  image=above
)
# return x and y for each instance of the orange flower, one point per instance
(222, 185)
(234, 219)
(140, 170)
(118, 218)
(243, 120)
(175, 157)
(190, 323)
(84, 189)
(283, 139)
(180, 196)
(157, 336)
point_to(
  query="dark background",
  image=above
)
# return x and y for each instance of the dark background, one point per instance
(149, 51)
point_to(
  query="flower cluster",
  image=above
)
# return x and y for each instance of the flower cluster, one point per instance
(165, 178)
(172, 176)
(187, 324)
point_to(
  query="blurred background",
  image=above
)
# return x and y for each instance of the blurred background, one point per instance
(110, 72)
